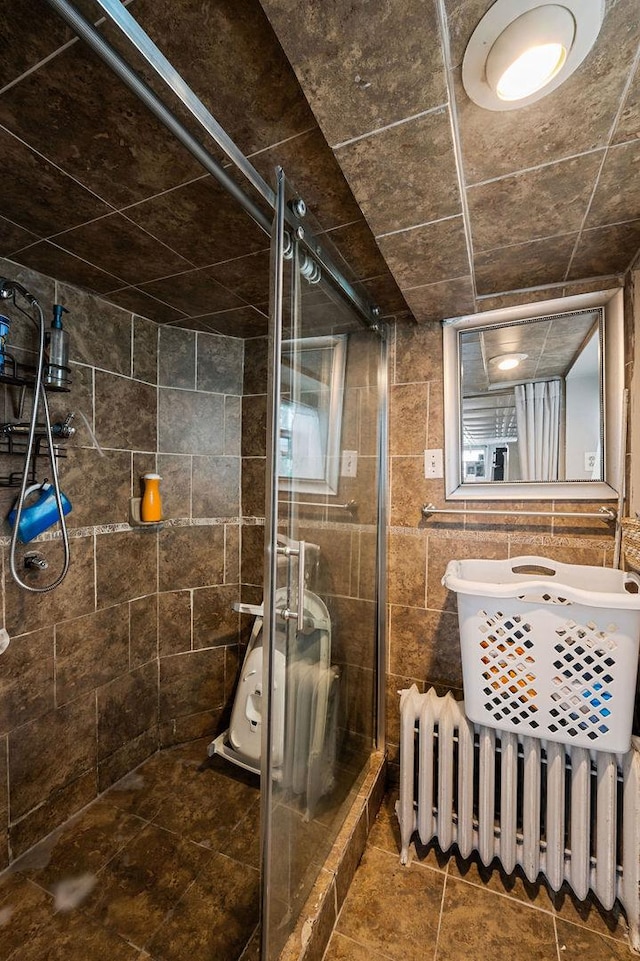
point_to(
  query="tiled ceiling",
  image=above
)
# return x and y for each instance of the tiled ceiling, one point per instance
(376, 132)
(549, 348)
(465, 203)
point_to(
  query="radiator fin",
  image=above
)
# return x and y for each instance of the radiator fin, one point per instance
(565, 812)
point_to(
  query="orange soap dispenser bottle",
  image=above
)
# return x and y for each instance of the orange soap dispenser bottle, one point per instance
(151, 506)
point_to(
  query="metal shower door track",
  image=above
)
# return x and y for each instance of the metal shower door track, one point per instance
(131, 29)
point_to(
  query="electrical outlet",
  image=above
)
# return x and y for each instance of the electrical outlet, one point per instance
(589, 460)
(433, 462)
(349, 467)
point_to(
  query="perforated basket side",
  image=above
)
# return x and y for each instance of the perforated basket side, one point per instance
(560, 672)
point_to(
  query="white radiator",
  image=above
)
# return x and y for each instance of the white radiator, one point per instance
(568, 813)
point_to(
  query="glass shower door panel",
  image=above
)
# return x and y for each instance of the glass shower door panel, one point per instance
(323, 533)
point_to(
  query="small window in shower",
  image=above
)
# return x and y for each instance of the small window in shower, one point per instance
(311, 414)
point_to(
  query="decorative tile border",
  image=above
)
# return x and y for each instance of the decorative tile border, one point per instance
(76, 532)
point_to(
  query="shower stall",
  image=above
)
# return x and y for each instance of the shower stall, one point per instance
(326, 493)
(318, 703)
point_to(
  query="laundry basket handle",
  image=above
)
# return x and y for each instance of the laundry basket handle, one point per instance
(534, 569)
(504, 579)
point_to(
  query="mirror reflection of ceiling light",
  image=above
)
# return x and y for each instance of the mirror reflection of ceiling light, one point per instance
(508, 361)
(523, 49)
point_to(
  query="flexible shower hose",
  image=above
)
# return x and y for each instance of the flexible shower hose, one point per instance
(8, 288)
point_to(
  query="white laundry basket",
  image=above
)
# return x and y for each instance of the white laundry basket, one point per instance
(548, 649)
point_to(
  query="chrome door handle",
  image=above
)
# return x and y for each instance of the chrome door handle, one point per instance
(301, 560)
(300, 553)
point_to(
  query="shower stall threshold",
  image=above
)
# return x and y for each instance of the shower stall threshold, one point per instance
(318, 917)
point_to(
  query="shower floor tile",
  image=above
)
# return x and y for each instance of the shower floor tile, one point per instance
(215, 917)
(24, 910)
(144, 882)
(445, 908)
(162, 867)
(82, 846)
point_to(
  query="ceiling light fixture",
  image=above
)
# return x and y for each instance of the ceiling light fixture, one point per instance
(508, 361)
(523, 49)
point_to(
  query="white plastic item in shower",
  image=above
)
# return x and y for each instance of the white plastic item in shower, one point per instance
(245, 729)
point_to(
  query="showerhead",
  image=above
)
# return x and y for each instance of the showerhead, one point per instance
(8, 288)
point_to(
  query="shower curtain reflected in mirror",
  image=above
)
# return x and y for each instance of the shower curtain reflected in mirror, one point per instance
(538, 422)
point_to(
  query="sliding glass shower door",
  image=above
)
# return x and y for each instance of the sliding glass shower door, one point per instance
(320, 574)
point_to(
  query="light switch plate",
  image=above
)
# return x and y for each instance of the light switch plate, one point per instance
(433, 463)
(349, 466)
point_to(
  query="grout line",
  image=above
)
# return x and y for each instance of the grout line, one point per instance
(4, 572)
(163, 193)
(406, 230)
(389, 126)
(614, 124)
(535, 167)
(586, 214)
(53, 54)
(36, 66)
(70, 253)
(510, 897)
(614, 223)
(132, 339)
(137, 289)
(55, 666)
(95, 572)
(440, 916)
(456, 138)
(330, 230)
(157, 386)
(278, 143)
(555, 931)
(602, 934)
(553, 286)
(93, 402)
(365, 945)
(253, 934)
(97, 762)
(530, 240)
(129, 618)
(436, 283)
(158, 241)
(191, 607)
(52, 163)
(623, 98)
(191, 485)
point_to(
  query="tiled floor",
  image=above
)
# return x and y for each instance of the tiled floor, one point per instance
(163, 867)
(444, 909)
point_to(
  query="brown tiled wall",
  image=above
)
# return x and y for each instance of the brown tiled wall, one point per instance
(138, 648)
(424, 641)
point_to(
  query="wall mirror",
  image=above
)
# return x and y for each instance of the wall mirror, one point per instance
(311, 414)
(533, 400)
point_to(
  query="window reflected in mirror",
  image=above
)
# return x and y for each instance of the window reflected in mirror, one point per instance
(532, 400)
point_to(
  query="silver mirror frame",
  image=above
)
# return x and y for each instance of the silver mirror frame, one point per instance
(613, 394)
